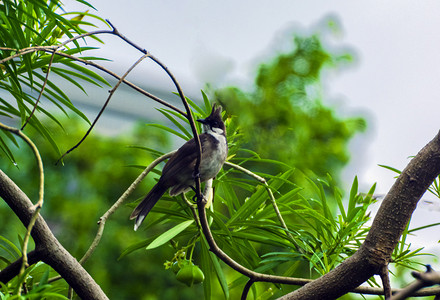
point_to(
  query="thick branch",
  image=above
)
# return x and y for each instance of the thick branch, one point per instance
(13, 269)
(387, 227)
(52, 252)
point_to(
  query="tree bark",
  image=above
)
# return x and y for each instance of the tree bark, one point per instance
(46, 244)
(388, 225)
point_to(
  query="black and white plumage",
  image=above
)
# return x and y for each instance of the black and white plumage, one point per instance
(177, 174)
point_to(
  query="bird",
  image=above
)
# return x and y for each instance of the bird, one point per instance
(178, 173)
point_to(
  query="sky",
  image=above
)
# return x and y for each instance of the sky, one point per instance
(394, 82)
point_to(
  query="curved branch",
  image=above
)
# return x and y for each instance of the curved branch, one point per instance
(246, 289)
(12, 270)
(54, 49)
(254, 276)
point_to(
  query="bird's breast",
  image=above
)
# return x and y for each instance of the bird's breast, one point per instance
(213, 156)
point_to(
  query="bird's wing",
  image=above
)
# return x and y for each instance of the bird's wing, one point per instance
(181, 165)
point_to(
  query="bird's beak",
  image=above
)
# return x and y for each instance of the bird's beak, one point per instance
(203, 121)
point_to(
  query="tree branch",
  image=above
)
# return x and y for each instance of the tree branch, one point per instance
(51, 251)
(385, 232)
(425, 279)
(13, 269)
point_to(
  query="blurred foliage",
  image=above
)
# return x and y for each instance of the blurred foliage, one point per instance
(285, 117)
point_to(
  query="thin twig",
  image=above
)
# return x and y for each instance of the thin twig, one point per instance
(190, 118)
(37, 207)
(111, 93)
(428, 278)
(193, 209)
(119, 202)
(188, 114)
(114, 75)
(52, 48)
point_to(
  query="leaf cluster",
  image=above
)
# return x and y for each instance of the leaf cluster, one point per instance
(30, 32)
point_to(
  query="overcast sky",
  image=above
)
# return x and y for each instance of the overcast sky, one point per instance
(394, 82)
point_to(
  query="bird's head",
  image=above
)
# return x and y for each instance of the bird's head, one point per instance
(214, 122)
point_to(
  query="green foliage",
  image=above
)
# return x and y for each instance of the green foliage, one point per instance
(37, 276)
(286, 108)
(25, 24)
(284, 118)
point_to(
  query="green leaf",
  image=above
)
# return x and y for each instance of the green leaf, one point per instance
(206, 101)
(176, 123)
(87, 72)
(219, 272)
(205, 264)
(258, 198)
(391, 168)
(166, 128)
(169, 234)
(352, 199)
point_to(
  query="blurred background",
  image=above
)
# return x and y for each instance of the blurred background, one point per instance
(392, 80)
(376, 80)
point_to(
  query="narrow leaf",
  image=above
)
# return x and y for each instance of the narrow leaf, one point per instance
(168, 235)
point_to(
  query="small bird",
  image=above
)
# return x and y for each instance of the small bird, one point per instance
(178, 172)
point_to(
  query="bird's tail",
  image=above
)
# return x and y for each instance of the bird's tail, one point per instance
(142, 210)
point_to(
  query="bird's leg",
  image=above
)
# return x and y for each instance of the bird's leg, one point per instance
(196, 175)
(194, 199)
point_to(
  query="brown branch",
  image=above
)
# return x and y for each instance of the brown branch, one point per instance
(114, 75)
(12, 270)
(385, 277)
(385, 232)
(54, 49)
(246, 289)
(51, 251)
(253, 276)
(425, 279)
